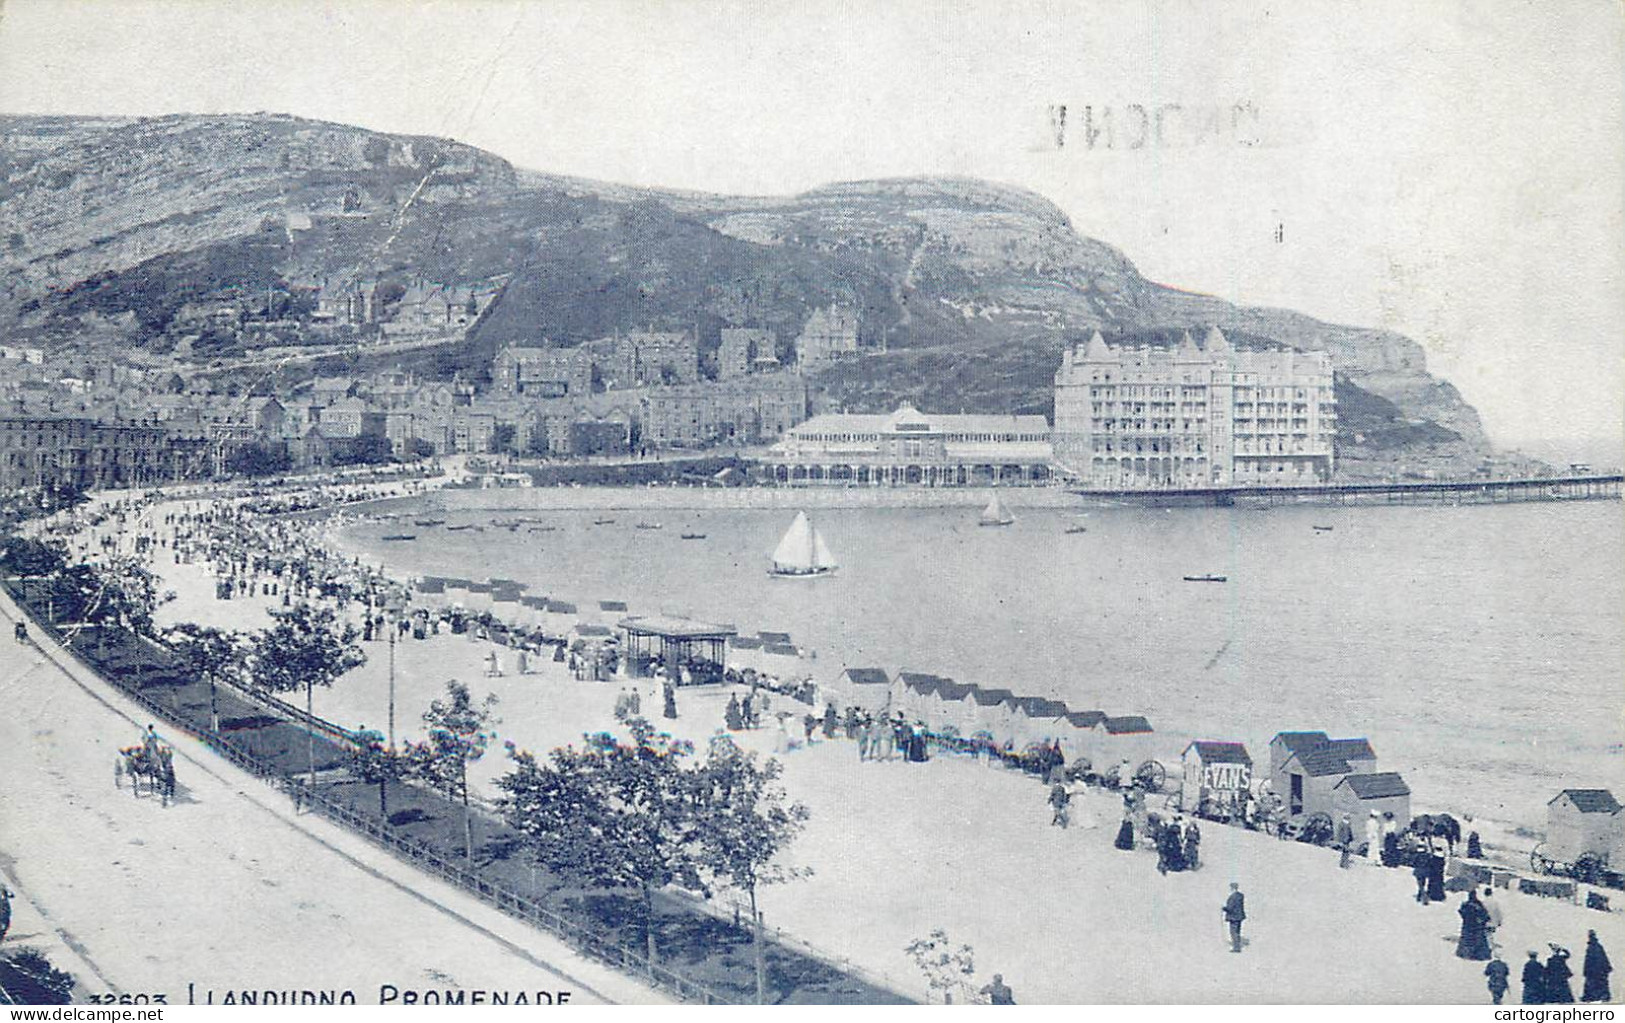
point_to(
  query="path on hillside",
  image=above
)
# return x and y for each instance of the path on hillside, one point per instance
(227, 889)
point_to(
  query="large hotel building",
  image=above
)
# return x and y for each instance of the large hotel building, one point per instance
(1182, 417)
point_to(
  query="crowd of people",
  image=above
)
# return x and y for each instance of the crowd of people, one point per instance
(1551, 982)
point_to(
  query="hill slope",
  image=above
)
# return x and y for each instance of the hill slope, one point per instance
(110, 226)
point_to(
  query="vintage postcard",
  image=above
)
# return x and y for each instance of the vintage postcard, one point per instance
(538, 504)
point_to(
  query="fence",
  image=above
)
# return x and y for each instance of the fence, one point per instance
(418, 854)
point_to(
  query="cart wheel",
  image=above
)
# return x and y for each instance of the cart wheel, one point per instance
(1151, 775)
(1538, 861)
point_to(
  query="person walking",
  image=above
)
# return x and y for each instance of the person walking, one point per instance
(1235, 911)
(1497, 972)
(1534, 980)
(998, 992)
(1373, 837)
(1557, 987)
(1193, 846)
(1596, 970)
(1345, 841)
(1474, 942)
(1492, 906)
(1420, 866)
(1059, 799)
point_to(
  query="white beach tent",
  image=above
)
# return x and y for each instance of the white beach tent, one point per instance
(868, 689)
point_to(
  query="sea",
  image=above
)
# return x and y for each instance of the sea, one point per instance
(1479, 648)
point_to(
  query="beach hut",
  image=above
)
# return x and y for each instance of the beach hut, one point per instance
(530, 612)
(1077, 736)
(744, 652)
(1306, 767)
(1127, 737)
(558, 618)
(1220, 773)
(477, 597)
(611, 610)
(991, 712)
(457, 593)
(1581, 821)
(868, 689)
(916, 693)
(781, 638)
(506, 604)
(947, 707)
(430, 593)
(1358, 795)
(781, 660)
(1036, 719)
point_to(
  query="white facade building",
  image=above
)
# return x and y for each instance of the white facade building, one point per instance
(1189, 417)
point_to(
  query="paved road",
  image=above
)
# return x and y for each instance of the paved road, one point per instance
(227, 889)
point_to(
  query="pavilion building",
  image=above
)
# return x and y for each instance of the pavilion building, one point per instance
(911, 448)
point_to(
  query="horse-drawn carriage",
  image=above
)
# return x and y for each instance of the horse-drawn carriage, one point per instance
(154, 764)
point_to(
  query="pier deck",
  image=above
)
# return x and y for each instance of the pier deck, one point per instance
(1507, 491)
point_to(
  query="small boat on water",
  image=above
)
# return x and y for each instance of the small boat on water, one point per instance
(428, 522)
(802, 553)
(544, 529)
(1323, 529)
(458, 529)
(400, 536)
(603, 522)
(1076, 529)
(693, 536)
(1207, 579)
(995, 514)
(648, 525)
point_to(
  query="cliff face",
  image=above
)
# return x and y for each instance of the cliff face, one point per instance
(109, 226)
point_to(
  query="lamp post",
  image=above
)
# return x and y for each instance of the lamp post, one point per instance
(394, 606)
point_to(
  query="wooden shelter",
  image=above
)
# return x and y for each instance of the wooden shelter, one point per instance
(1360, 795)
(868, 689)
(677, 641)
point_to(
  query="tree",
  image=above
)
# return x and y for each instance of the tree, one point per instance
(306, 647)
(27, 557)
(127, 597)
(502, 439)
(459, 732)
(259, 460)
(610, 815)
(374, 763)
(211, 654)
(946, 968)
(745, 823)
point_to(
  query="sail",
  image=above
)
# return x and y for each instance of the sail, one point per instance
(996, 514)
(802, 551)
(823, 560)
(795, 553)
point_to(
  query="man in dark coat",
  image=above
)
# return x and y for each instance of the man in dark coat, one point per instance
(1558, 989)
(1421, 865)
(1193, 846)
(1474, 942)
(1235, 911)
(1435, 873)
(1534, 980)
(1596, 971)
(1497, 972)
(998, 992)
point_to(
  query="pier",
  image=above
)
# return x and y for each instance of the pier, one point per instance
(1453, 492)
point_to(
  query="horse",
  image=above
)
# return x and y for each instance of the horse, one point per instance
(157, 767)
(1438, 825)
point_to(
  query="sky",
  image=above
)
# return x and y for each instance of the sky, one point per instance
(1451, 170)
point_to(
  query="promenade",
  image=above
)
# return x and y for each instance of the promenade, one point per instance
(227, 889)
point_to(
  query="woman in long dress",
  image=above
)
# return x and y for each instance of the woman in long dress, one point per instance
(1474, 942)
(1125, 834)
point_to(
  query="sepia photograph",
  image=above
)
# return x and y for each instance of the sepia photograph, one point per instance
(689, 502)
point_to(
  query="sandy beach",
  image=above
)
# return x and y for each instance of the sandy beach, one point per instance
(898, 849)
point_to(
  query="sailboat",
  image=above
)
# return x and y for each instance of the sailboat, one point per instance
(802, 554)
(995, 514)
